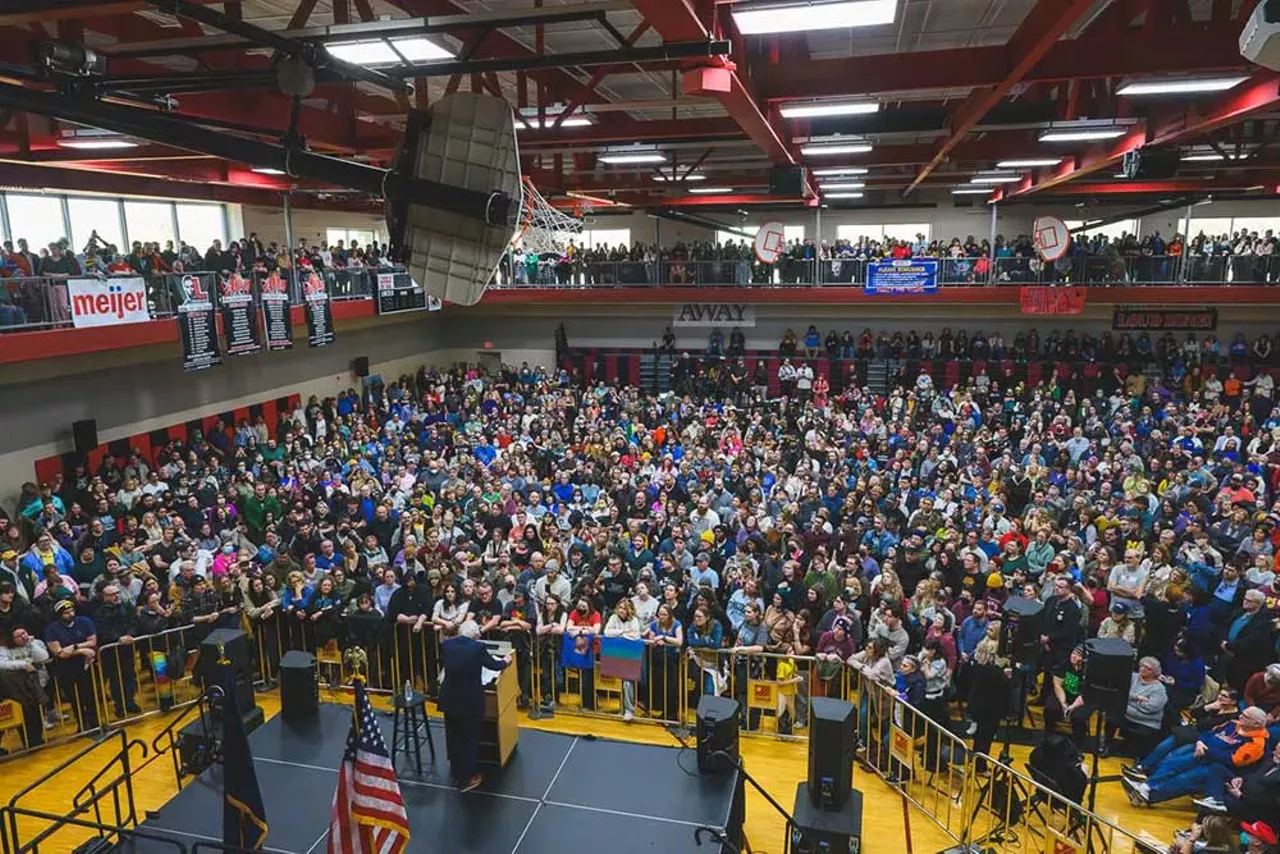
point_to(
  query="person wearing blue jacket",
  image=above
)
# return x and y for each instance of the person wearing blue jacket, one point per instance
(46, 552)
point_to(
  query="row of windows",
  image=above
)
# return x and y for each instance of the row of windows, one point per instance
(45, 219)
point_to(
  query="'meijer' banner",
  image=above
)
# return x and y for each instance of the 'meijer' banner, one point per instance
(239, 314)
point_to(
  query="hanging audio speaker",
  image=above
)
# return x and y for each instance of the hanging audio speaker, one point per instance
(85, 434)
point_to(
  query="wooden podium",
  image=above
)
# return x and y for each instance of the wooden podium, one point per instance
(500, 729)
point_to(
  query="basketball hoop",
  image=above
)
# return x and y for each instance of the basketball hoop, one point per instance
(543, 228)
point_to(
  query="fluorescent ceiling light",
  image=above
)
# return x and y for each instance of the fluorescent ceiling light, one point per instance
(817, 110)
(710, 191)
(1031, 163)
(842, 195)
(800, 17)
(994, 179)
(677, 179)
(970, 191)
(96, 143)
(854, 185)
(837, 148)
(1082, 135)
(636, 157)
(1181, 87)
(841, 170)
(267, 170)
(388, 51)
(1210, 157)
(532, 123)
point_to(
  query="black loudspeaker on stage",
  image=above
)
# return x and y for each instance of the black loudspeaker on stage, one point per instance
(299, 686)
(833, 739)
(1108, 668)
(717, 732)
(85, 434)
(1020, 630)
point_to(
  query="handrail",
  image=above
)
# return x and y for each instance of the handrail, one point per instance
(200, 708)
(62, 821)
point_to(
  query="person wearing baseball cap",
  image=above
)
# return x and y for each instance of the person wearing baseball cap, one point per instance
(13, 570)
(73, 645)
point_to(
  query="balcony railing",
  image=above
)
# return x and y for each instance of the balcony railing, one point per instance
(1096, 270)
(42, 302)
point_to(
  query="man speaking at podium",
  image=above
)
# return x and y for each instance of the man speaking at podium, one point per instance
(463, 658)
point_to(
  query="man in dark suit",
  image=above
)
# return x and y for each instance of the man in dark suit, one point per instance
(462, 701)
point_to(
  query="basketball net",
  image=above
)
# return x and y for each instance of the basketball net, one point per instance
(544, 229)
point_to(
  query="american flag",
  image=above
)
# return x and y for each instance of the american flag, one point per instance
(368, 810)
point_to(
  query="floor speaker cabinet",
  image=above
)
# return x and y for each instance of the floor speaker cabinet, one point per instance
(1021, 629)
(833, 739)
(819, 831)
(1108, 670)
(231, 645)
(299, 686)
(717, 731)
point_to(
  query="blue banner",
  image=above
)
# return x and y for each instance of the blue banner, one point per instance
(905, 276)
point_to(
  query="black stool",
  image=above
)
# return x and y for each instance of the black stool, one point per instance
(410, 715)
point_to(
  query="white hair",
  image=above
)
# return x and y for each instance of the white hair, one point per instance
(469, 629)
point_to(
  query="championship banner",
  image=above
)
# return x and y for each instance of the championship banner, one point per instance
(902, 276)
(315, 293)
(277, 317)
(195, 298)
(1165, 319)
(107, 302)
(1038, 299)
(398, 292)
(239, 315)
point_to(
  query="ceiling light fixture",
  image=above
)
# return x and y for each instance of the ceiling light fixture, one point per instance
(389, 51)
(267, 170)
(710, 191)
(823, 150)
(994, 179)
(533, 123)
(1210, 157)
(853, 185)
(620, 157)
(96, 143)
(660, 177)
(842, 195)
(1081, 135)
(1183, 86)
(841, 170)
(801, 17)
(816, 110)
(971, 191)
(1030, 163)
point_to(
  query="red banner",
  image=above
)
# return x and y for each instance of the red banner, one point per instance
(1046, 300)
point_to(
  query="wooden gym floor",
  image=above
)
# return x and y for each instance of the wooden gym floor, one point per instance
(779, 765)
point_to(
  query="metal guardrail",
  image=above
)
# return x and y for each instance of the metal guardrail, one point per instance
(42, 302)
(1100, 270)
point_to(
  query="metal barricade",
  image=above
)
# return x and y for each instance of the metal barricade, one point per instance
(661, 695)
(150, 675)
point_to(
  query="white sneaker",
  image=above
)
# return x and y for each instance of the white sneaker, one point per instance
(1211, 804)
(627, 717)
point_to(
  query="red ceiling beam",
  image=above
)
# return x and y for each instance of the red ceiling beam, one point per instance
(679, 21)
(1220, 184)
(1192, 48)
(1260, 92)
(1039, 32)
(597, 77)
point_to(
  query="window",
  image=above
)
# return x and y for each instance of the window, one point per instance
(793, 233)
(1113, 231)
(148, 222)
(1260, 224)
(898, 231)
(348, 235)
(200, 225)
(95, 215)
(735, 238)
(1211, 226)
(37, 219)
(603, 237)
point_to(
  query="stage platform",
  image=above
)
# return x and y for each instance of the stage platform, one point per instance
(558, 792)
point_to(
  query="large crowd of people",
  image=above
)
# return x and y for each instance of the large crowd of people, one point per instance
(1244, 256)
(741, 534)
